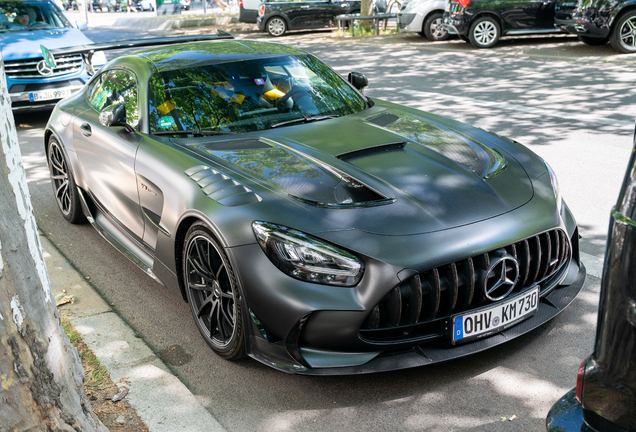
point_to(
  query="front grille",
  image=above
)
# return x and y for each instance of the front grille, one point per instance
(55, 85)
(420, 307)
(23, 69)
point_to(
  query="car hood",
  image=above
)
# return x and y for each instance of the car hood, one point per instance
(26, 44)
(392, 172)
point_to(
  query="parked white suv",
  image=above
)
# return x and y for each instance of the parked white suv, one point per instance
(424, 17)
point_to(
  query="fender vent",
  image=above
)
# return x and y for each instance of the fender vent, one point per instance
(221, 188)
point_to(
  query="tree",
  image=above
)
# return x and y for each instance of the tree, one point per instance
(40, 372)
(366, 9)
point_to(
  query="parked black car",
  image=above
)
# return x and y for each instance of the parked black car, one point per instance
(483, 22)
(276, 17)
(596, 22)
(605, 394)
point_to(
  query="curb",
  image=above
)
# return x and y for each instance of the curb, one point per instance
(151, 24)
(162, 402)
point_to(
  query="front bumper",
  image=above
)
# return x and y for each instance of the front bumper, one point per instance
(305, 328)
(260, 22)
(21, 95)
(409, 22)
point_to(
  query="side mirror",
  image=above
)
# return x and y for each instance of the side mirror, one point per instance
(82, 25)
(358, 80)
(114, 115)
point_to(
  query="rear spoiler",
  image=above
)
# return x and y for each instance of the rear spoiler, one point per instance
(87, 51)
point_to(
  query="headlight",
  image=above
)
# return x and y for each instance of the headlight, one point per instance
(307, 258)
(555, 185)
(98, 60)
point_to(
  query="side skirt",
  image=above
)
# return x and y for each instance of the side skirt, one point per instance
(139, 254)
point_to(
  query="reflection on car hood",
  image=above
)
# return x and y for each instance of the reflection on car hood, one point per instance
(391, 173)
(26, 44)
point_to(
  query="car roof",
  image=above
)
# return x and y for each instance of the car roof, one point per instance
(179, 56)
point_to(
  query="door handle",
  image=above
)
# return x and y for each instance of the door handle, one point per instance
(304, 7)
(86, 130)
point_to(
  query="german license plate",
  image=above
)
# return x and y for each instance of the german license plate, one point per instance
(490, 320)
(49, 94)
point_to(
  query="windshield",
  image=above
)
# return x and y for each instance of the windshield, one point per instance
(30, 15)
(248, 95)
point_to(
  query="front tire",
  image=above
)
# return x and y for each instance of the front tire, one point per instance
(213, 293)
(623, 37)
(64, 187)
(592, 41)
(434, 28)
(276, 26)
(484, 33)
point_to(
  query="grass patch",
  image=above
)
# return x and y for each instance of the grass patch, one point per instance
(359, 31)
(96, 374)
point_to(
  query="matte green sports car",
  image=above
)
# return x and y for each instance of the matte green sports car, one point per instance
(312, 228)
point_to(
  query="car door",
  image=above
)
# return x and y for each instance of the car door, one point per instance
(305, 14)
(520, 14)
(107, 154)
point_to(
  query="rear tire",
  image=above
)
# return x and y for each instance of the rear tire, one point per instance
(623, 37)
(434, 28)
(485, 32)
(592, 41)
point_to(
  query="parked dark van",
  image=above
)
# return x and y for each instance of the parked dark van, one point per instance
(483, 22)
(596, 22)
(604, 399)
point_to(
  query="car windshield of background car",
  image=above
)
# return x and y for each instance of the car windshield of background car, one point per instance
(248, 95)
(41, 16)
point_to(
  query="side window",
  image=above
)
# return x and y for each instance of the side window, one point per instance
(116, 86)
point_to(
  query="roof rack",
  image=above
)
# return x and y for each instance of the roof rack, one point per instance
(87, 51)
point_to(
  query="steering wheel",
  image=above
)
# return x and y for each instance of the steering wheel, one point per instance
(295, 90)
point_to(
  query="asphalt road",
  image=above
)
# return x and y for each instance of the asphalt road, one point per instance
(573, 105)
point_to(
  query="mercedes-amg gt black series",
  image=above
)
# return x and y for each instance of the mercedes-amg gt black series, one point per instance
(310, 227)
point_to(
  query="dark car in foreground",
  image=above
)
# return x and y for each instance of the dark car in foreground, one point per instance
(315, 229)
(604, 399)
(277, 17)
(24, 26)
(596, 22)
(483, 22)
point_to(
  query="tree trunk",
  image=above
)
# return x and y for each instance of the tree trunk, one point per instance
(366, 9)
(40, 372)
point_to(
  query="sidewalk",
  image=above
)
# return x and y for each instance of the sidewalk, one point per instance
(162, 402)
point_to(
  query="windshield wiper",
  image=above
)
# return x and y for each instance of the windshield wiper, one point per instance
(193, 132)
(305, 119)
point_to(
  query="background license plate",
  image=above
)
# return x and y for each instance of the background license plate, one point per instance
(49, 94)
(493, 319)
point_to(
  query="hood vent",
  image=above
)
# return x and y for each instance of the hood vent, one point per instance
(371, 150)
(384, 120)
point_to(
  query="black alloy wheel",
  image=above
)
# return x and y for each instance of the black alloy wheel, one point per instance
(623, 37)
(66, 193)
(593, 41)
(213, 293)
(276, 26)
(434, 28)
(485, 32)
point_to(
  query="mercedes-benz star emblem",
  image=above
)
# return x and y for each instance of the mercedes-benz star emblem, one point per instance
(44, 69)
(498, 283)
